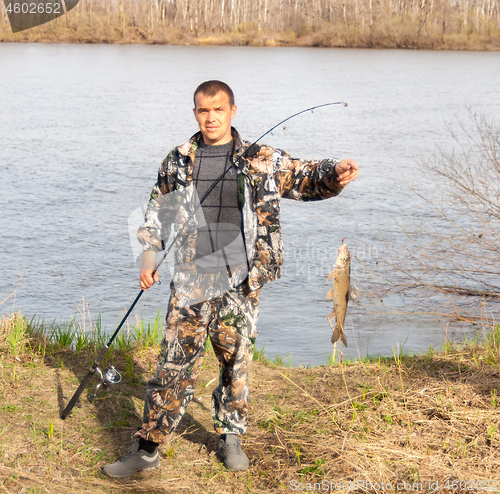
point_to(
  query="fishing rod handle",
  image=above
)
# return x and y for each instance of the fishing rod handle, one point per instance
(77, 395)
(84, 383)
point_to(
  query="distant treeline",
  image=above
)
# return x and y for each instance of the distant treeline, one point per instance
(439, 24)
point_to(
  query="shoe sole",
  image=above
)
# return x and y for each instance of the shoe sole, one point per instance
(235, 469)
(152, 467)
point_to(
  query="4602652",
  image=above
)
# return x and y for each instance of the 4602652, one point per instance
(34, 8)
(471, 485)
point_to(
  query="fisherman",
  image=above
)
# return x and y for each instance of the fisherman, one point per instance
(249, 182)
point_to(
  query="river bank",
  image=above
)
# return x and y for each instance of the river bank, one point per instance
(404, 36)
(435, 25)
(427, 422)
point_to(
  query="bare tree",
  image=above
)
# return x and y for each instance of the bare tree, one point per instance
(450, 255)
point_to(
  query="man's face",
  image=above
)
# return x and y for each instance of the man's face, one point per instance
(214, 115)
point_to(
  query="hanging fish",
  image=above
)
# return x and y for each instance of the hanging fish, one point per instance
(340, 292)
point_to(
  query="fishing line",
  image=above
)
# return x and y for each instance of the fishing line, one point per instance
(295, 115)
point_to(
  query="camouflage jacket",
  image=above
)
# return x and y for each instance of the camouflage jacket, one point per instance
(267, 175)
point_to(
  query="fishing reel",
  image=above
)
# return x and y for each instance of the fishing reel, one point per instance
(112, 376)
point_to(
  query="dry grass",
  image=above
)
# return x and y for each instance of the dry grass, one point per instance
(393, 35)
(405, 420)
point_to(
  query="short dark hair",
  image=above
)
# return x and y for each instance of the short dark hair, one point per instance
(211, 88)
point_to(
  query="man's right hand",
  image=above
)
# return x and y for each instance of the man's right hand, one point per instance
(146, 278)
(148, 266)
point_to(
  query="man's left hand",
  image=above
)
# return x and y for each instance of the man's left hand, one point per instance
(347, 171)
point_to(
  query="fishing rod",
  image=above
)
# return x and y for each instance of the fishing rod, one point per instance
(111, 376)
(297, 114)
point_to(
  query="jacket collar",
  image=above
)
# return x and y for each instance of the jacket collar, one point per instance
(189, 148)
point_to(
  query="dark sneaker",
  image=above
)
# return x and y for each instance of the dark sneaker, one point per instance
(135, 460)
(230, 452)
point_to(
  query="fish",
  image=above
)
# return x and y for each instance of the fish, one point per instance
(339, 293)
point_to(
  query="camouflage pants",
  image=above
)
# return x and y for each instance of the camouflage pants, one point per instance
(230, 322)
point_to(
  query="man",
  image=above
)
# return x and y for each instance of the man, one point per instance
(239, 187)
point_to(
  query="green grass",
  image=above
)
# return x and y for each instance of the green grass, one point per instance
(259, 353)
(17, 335)
(35, 335)
(148, 333)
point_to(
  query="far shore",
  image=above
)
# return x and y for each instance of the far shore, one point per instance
(429, 25)
(327, 38)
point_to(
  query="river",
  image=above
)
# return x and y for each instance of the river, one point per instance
(83, 129)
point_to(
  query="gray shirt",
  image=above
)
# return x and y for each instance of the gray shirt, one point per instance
(220, 207)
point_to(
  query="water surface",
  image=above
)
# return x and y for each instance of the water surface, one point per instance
(83, 129)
